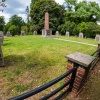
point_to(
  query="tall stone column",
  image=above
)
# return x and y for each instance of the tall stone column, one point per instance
(46, 24)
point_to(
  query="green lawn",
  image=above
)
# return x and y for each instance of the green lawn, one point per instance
(31, 61)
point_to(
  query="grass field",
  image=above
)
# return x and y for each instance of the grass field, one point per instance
(31, 61)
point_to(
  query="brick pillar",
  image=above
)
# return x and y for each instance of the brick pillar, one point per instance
(84, 62)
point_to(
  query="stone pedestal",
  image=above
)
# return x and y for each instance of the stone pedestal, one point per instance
(46, 33)
(84, 61)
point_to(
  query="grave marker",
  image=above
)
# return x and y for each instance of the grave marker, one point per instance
(81, 35)
(8, 34)
(57, 33)
(67, 34)
(35, 33)
(22, 33)
(97, 38)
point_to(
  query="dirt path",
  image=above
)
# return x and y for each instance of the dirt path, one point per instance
(91, 89)
(76, 42)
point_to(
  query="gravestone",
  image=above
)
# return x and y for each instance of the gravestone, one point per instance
(67, 34)
(81, 35)
(35, 33)
(57, 33)
(8, 34)
(22, 33)
(97, 38)
(43, 32)
(46, 32)
(1, 38)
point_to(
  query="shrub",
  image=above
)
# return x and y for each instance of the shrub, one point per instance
(68, 26)
(13, 30)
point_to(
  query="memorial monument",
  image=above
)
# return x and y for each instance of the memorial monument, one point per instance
(46, 32)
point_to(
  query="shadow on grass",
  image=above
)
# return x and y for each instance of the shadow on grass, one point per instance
(11, 60)
(34, 59)
(5, 44)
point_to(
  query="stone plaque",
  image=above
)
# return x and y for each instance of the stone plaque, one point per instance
(97, 38)
(67, 34)
(81, 35)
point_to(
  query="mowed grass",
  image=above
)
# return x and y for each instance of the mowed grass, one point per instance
(31, 61)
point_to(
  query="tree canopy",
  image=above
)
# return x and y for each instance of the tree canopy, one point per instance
(38, 10)
(83, 11)
(2, 23)
(14, 23)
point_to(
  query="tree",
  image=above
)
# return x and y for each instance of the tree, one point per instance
(2, 23)
(17, 21)
(13, 30)
(71, 4)
(83, 12)
(37, 12)
(68, 26)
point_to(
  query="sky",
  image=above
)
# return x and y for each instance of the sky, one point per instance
(18, 7)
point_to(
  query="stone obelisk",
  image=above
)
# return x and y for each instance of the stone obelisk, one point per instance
(46, 32)
(46, 23)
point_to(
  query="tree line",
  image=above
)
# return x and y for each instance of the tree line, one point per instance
(72, 16)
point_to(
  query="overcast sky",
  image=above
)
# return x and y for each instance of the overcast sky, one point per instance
(18, 7)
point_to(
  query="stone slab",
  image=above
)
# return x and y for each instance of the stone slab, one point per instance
(81, 59)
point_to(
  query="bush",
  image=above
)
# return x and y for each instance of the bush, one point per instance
(13, 30)
(89, 29)
(93, 29)
(24, 28)
(82, 27)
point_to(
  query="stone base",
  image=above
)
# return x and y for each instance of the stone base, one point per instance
(47, 33)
